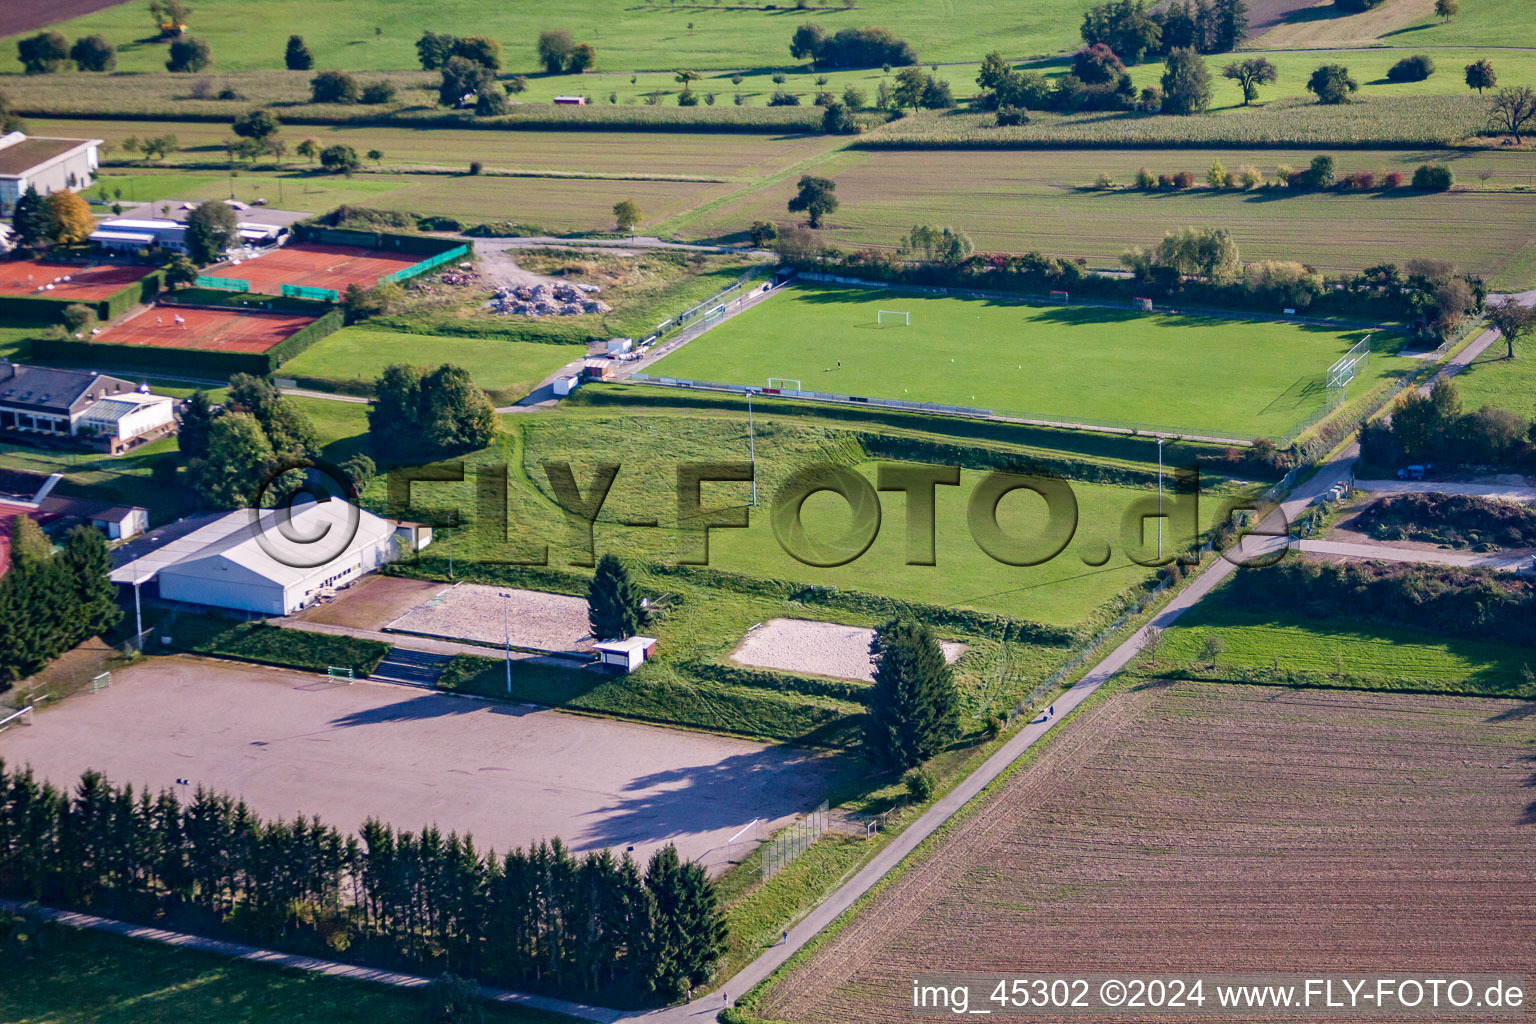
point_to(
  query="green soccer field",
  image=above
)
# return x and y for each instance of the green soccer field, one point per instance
(1194, 375)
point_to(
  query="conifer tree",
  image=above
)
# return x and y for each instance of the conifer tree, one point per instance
(914, 708)
(89, 567)
(613, 606)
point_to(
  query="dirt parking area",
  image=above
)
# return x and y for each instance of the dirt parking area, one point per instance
(529, 618)
(374, 601)
(1210, 828)
(817, 648)
(289, 744)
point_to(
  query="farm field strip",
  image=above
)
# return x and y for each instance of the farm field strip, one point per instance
(1015, 201)
(1188, 827)
(695, 154)
(350, 34)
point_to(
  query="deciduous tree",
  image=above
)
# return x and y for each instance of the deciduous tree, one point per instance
(93, 53)
(1250, 74)
(626, 214)
(1331, 84)
(1480, 75)
(1513, 320)
(69, 218)
(816, 199)
(211, 230)
(189, 54)
(1513, 110)
(43, 53)
(1186, 83)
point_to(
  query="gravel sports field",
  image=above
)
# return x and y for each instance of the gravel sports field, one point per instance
(290, 743)
(531, 618)
(1186, 827)
(817, 648)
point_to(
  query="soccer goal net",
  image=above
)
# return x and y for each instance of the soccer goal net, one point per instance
(783, 383)
(339, 674)
(1059, 296)
(1350, 365)
(891, 316)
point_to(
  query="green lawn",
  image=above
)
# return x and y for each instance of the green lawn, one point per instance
(1224, 378)
(1504, 383)
(1257, 647)
(354, 35)
(94, 978)
(357, 355)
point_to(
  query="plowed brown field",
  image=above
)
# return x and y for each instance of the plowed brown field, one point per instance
(1213, 828)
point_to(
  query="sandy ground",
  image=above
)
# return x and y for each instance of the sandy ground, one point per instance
(817, 648)
(373, 602)
(291, 743)
(548, 622)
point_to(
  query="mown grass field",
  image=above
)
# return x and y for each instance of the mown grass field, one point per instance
(357, 355)
(1223, 378)
(1012, 201)
(651, 446)
(627, 35)
(685, 155)
(1493, 379)
(94, 978)
(1262, 648)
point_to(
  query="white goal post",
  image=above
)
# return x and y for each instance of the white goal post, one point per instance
(892, 316)
(1059, 296)
(784, 384)
(337, 673)
(1350, 365)
(19, 717)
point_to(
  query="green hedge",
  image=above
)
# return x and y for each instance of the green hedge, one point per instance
(293, 648)
(39, 310)
(651, 696)
(783, 682)
(415, 245)
(304, 337)
(209, 361)
(220, 299)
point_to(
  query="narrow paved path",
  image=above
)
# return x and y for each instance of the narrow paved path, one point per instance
(1388, 553)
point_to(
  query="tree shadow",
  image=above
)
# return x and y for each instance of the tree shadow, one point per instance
(677, 802)
(422, 707)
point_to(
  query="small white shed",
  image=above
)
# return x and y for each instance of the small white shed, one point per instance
(625, 655)
(565, 385)
(619, 346)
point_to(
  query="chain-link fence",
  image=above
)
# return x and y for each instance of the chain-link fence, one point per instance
(783, 848)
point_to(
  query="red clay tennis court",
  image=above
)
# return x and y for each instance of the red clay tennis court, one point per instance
(315, 266)
(221, 330)
(24, 277)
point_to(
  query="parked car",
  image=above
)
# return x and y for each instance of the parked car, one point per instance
(1411, 473)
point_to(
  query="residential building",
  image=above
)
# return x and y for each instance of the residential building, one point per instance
(42, 403)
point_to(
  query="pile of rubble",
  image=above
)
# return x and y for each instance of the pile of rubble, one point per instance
(547, 300)
(459, 277)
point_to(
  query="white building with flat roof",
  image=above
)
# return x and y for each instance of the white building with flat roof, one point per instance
(46, 164)
(265, 561)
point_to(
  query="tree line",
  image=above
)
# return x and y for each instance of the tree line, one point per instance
(51, 602)
(1434, 428)
(540, 919)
